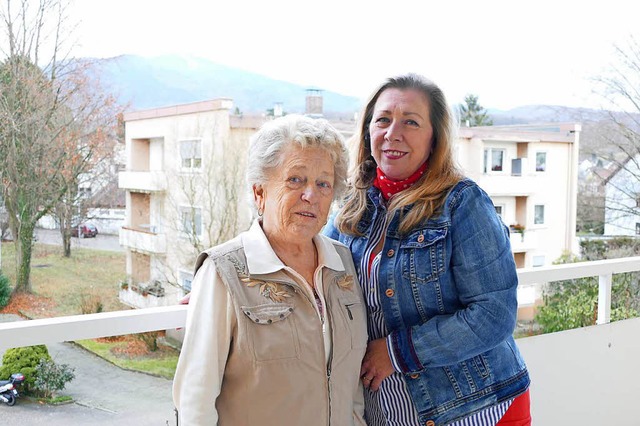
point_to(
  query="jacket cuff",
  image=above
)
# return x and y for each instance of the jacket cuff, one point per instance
(402, 352)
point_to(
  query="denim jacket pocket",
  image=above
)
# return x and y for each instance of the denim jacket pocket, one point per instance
(272, 331)
(423, 254)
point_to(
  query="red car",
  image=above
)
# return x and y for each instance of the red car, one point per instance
(84, 230)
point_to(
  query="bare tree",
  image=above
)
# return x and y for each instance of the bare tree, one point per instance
(617, 135)
(94, 166)
(50, 119)
(209, 205)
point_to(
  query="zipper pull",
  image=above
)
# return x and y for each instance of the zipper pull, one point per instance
(349, 310)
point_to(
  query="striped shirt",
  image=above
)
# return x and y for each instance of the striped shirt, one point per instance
(391, 405)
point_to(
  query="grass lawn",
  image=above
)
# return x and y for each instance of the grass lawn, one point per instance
(87, 281)
(67, 282)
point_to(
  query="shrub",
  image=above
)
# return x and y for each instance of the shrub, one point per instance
(570, 304)
(91, 304)
(52, 377)
(24, 360)
(5, 290)
(150, 339)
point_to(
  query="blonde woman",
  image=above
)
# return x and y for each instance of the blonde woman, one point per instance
(435, 265)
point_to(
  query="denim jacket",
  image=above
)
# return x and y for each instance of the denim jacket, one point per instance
(448, 292)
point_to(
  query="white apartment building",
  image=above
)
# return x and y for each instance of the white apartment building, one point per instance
(185, 192)
(531, 173)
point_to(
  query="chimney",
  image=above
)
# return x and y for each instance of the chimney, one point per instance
(277, 109)
(313, 106)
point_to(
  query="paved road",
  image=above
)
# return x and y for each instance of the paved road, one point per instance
(101, 241)
(103, 394)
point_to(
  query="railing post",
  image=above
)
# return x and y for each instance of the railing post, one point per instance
(604, 298)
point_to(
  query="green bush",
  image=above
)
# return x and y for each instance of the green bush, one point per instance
(5, 290)
(150, 339)
(568, 304)
(574, 303)
(52, 377)
(24, 360)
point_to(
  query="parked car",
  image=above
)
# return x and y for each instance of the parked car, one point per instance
(84, 230)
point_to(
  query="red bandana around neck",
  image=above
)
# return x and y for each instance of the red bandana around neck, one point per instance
(390, 187)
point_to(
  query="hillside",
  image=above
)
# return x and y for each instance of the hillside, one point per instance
(150, 82)
(143, 83)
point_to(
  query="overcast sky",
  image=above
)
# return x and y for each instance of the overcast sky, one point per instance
(509, 53)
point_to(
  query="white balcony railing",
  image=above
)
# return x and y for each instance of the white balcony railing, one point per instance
(505, 185)
(143, 241)
(148, 181)
(524, 242)
(579, 377)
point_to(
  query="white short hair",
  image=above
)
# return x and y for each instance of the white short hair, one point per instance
(274, 136)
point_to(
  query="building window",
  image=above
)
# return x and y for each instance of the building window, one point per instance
(538, 215)
(499, 210)
(186, 278)
(84, 193)
(191, 220)
(541, 161)
(191, 154)
(493, 160)
(538, 261)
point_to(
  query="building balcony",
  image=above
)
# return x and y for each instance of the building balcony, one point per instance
(505, 185)
(523, 242)
(143, 240)
(137, 299)
(578, 377)
(144, 181)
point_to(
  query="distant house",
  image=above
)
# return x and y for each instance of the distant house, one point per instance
(100, 201)
(530, 172)
(592, 174)
(622, 199)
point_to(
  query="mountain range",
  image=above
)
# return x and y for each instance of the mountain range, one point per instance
(150, 82)
(142, 83)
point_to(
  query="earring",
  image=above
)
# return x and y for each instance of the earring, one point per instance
(260, 211)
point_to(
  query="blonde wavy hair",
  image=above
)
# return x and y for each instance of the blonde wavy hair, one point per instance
(428, 194)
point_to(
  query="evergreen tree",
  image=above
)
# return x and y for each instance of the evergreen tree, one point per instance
(472, 114)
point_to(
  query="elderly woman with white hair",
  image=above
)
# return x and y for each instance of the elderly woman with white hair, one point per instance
(276, 326)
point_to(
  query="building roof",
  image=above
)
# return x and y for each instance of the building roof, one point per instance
(545, 132)
(190, 108)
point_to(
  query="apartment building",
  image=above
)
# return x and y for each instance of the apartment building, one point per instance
(185, 192)
(531, 173)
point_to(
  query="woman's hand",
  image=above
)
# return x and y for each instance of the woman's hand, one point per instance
(376, 365)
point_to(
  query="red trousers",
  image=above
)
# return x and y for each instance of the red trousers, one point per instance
(519, 413)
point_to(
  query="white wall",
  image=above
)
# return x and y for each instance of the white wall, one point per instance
(586, 376)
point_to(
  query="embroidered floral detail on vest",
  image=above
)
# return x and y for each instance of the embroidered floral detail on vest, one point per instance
(345, 282)
(268, 289)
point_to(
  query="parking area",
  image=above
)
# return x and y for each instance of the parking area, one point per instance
(99, 242)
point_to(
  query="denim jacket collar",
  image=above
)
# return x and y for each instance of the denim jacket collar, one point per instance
(379, 205)
(261, 259)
